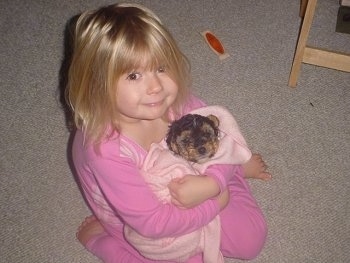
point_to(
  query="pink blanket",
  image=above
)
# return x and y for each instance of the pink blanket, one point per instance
(161, 166)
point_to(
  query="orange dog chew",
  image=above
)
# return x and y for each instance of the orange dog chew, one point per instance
(215, 44)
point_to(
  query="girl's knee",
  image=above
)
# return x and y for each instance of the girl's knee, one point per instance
(255, 240)
(247, 243)
(251, 248)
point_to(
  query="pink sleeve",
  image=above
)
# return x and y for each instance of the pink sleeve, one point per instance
(129, 196)
(222, 173)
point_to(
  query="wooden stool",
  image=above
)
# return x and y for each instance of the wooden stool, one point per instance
(313, 55)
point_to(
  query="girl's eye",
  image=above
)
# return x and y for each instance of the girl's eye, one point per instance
(161, 69)
(134, 76)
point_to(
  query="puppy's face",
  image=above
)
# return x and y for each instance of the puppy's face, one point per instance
(194, 137)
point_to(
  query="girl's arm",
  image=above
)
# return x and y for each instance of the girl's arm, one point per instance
(131, 198)
(136, 204)
(191, 190)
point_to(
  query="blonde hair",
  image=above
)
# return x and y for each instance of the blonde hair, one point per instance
(108, 43)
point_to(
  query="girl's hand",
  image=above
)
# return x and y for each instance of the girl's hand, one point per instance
(191, 190)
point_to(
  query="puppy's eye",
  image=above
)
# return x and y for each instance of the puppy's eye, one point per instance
(207, 134)
(186, 141)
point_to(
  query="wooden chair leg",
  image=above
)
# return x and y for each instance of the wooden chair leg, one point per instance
(302, 40)
(303, 4)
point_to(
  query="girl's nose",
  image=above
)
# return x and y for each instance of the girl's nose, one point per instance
(155, 84)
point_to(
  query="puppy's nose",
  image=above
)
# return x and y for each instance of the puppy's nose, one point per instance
(202, 150)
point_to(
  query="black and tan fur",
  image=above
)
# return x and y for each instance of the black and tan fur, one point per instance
(194, 137)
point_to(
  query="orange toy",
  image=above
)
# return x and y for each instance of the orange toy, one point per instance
(215, 44)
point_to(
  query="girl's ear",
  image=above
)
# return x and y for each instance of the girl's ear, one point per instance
(214, 119)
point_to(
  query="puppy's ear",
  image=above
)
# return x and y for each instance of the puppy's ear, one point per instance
(214, 119)
(173, 147)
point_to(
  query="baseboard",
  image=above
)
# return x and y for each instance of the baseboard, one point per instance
(344, 2)
(343, 20)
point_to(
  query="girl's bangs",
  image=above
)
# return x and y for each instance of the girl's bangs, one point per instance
(145, 56)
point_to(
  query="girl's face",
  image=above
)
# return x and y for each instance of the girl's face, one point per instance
(145, 94)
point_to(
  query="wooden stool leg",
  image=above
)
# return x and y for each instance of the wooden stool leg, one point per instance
(303, 4)
(304, 33)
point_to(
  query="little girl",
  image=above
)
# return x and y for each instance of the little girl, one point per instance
(127, 81)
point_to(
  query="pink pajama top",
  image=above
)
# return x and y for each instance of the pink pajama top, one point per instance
(117, 193)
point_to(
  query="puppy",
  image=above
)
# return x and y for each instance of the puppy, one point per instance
(194, 137)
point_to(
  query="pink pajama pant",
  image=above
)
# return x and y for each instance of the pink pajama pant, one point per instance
(243, 231)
